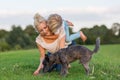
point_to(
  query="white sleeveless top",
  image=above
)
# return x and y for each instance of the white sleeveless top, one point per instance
(54, 46)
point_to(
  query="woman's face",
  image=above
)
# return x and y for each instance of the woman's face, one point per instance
(43, 29)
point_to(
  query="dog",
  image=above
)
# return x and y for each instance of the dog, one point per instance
(67, 55)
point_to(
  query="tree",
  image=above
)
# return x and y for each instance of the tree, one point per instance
(93, 33)
(31, 33)
(17, 37)
(29, 30)
(4, 45)
(3, 33)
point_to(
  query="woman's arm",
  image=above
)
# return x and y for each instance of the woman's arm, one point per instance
(42, 56)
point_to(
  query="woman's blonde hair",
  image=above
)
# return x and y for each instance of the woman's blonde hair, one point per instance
(54, 22)
(38, 19)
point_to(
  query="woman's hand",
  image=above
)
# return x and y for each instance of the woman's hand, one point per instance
(42, 51)
(37, 71)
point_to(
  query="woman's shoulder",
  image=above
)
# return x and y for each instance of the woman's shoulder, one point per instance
(39, 39)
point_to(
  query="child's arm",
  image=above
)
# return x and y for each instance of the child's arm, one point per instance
(69, 23)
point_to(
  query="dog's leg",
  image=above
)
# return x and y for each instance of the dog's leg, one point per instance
(64, 69)
(86, 66)
(61, 72)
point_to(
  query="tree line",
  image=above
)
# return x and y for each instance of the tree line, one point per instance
(18, 38)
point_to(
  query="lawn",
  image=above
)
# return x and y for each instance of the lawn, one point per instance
(20, 65)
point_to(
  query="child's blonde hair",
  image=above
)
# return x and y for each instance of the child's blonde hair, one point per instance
(54, 22)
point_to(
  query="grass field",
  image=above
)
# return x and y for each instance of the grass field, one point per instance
(20, 65)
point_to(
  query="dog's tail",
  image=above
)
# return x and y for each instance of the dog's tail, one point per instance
(97, 45)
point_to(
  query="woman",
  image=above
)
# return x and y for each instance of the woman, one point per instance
(47, 40)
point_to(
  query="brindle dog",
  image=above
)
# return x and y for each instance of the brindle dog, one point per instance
(67, 55)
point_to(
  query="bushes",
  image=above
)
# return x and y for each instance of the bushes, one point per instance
(17, 38)
(4, 46)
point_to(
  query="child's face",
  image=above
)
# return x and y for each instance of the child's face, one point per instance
(43, 29)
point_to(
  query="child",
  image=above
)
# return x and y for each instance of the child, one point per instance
(55, 21)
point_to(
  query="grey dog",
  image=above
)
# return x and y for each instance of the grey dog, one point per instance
(67, 55)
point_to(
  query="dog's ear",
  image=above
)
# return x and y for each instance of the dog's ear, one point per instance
(46, 57)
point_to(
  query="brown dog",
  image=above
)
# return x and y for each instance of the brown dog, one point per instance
(67, 55)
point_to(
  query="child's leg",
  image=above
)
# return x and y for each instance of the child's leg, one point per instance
(68, 36)
(73, 36)
(78, 35)
(66, 27)
(83, 37)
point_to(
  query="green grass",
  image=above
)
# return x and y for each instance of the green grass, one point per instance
(20, 65)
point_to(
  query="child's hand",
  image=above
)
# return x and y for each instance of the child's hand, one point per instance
(69, 23)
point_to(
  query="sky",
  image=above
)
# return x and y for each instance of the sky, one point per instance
(82, 13)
